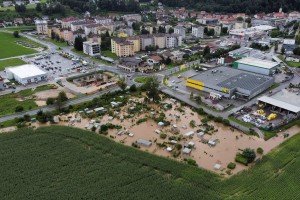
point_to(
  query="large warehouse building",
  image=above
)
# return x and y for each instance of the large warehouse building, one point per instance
(26, 74)
(255, 65)
(230, 82)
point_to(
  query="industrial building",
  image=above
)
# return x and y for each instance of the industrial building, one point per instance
(284, 102)
(230, 82)
(244, 52)
(255, 65)
(26, 74)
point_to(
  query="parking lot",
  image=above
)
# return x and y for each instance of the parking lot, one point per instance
(57, 66)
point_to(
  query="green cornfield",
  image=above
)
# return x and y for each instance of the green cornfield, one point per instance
(67, 163)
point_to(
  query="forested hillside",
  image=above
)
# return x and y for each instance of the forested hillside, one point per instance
(248, 6)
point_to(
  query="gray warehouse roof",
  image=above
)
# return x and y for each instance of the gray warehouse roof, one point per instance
(231, 78)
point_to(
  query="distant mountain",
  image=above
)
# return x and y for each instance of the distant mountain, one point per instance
(236, 6)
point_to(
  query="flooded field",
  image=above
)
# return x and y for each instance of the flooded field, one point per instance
(211, 143)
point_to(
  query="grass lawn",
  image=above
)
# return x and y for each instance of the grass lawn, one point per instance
(109, 54)
(11, 62)
(241, 123)
(141, 79)
(59, 44)
(78, 164)
(9, 102)
(291, 64)
(91, 57)
(19, 28)
(9, 48)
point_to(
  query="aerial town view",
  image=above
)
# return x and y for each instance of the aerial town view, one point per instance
(147, 99)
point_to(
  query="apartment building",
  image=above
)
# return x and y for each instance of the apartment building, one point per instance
(121, 47)
(136, 42)
(91, 48)
(180, 30)
(41, 27)
(159, 40)
(79, 25)
(173, 40)
(198, 31)
(146, 40)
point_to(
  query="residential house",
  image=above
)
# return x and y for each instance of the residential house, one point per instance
(103, 20)
(136, 17)
(66, 22)
(292, 58)
(18, 21)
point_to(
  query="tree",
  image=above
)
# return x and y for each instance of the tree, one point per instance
(171, 30)
(240, 19)
(61, 99)
(50, 101)
(168, 61)
(210, 32)
(38, 7)
(282, 50)
(144, 31)
(296, 51)
(224, 30)
(16, 34)
(122, 84)
(248, 20)
(249, 154)
(297, 39)
(78, 43)
(19, 109)
(133, 88)
(152, 88)
(205, 30)
(52, 34)
(206, 50)
(154, 30)
(161, 29)
(20, 8)
(276, 47)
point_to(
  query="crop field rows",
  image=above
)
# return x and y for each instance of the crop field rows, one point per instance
(66, 163)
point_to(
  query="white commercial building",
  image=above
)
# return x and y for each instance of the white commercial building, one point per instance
(26, 74)
(198, 31)
(91, 48)
(255, 65)
(41, 27)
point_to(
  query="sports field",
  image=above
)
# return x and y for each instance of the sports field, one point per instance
(9, 48)
(66, 163)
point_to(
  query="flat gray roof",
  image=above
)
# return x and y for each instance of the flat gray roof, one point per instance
(230, 78)
(280, 103)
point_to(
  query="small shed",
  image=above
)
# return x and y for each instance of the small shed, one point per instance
(143, 142)
(169, 149)
(189, 134)
(161, 123)
(186, 151)
(212, 143)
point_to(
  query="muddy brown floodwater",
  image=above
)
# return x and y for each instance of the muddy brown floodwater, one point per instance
(229, 141)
